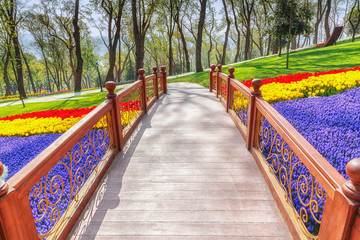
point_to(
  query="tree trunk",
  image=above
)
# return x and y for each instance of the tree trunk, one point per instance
(198, 45)
(183, 40)
(79, 60)
(6, 76)
(171, 55)
(113, 41)
(29, 72)
(237, 54)
(247, 42)
(19, 69)
(268, 45)
(280, 46)
(228, 23)
(276, 46)
(289, 37)
(327, 14)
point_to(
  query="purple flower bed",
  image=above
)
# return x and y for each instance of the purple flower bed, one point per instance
(331, 124)
(302, 190)
(52, 195)
(16, 152)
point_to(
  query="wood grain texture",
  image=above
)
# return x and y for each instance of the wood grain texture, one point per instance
(185, 173)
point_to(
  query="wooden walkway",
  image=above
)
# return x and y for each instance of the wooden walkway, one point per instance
(184, 174)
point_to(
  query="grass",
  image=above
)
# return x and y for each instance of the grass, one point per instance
(82, 101)
(344, 55)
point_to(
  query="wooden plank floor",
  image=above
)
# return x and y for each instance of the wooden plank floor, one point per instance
(185, 174)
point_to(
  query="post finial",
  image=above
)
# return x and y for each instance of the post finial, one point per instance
(256, 84)
(231, 71)
(352, 187)
(219, 67)
(110, 86)
(154, 70)
(213, 68)
(163, 68)
(141, 73)
(4, 187)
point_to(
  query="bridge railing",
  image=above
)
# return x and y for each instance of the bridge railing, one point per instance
(315, 200)
(45, 198)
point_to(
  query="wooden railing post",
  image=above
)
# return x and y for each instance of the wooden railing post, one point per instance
(156, 85)
(163, 71)
(256, 92)
(211, 83)
(117, 127)
(218, 80)
(141, 77)
(16, 219)
(339, 214)
(229, 92)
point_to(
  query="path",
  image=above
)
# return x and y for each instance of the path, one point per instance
(184, 174)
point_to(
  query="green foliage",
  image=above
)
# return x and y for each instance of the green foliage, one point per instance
(343, 55)
(302, 14)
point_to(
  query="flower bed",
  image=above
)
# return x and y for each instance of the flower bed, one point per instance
(330, 124)
(299, 76)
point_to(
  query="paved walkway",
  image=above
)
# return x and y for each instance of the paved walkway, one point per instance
(184, 174)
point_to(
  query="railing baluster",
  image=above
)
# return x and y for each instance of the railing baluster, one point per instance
(156, 86)
(256, 92)
(337, 224)
(16, 220)
(163, 71)
(229, 93)
(141, 77)
(117, 128)
(218, 81)
(211, 84)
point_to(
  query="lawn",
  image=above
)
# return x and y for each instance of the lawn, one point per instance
(345, 54)
(82, 101)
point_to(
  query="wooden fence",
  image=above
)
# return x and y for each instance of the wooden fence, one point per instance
(315, 200)
(45, 198)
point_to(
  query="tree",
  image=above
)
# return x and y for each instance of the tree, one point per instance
(245, 10)
(179, 4)
(79, 60)
(319, 15)
(198, 44)
(10, 22)
(114, 14)
(228, 23)
(353, 18)
(291, 18)
(142, 13)
(327, 16)
(237, 28)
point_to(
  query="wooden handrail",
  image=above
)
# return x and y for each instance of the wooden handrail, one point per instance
(14, 194)
(241, 87)
(126, 92)
(342, 195)
(25, 179)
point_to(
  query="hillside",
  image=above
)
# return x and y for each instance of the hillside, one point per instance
(345, 54)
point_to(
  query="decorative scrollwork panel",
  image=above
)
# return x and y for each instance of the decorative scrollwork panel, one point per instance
(302, 191)
(55, 197)
(240, 106)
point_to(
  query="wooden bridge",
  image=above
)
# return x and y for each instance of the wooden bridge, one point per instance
(186, 174)
(149, 163)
